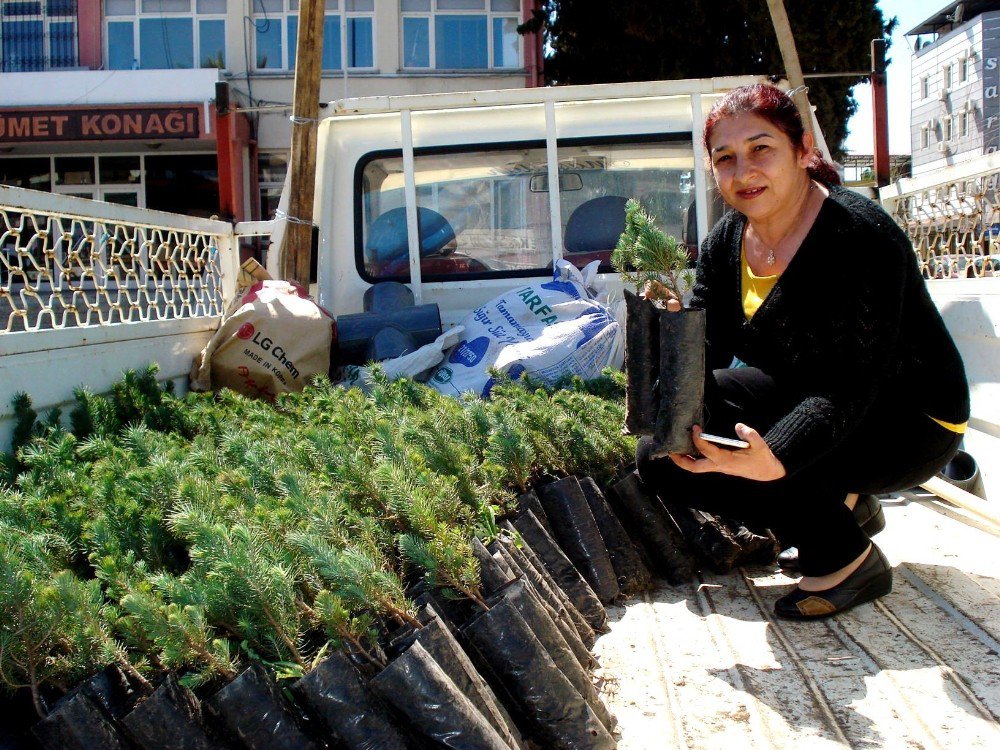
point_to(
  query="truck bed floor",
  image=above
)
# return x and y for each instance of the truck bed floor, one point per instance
(707, 665)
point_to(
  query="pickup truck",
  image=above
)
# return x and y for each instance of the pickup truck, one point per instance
(461, 196)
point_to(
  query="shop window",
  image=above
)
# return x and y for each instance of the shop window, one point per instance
(183, 184)
(486, 212)
(32, 173)
(120, 170)
(461, 34)
(276, 28)
(271, 169)
(166, 34)
(38, 35)
(75, 170)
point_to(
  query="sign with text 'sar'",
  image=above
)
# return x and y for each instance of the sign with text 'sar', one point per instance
(119, 123)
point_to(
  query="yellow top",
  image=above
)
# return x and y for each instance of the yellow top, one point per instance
(755, 288)
(959, 428)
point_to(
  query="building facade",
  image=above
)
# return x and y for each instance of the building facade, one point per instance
(955, 107)
(115, 99)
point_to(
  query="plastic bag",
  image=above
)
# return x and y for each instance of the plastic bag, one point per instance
(549, 330)
(271, 341)
(411, 365)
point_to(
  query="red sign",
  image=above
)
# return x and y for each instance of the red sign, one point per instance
(128, 123)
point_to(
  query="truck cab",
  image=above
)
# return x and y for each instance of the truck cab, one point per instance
(457, 195)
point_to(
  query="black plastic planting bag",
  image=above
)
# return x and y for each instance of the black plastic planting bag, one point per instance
(170, 719)
(428, 608)
(415, 685)
(577, 620)
(492, 575)
(682, 380)
(529, 501)
(530, 566)
(77, 724)
(756, 547)
(549, 703)
(113, 692)
(665, 371)
(445, 649)
(642, 364)
(578, 535)
(633, 575)
(563, 571)
(336, 695)
(537, 620)
(708, 537)
(456, 611)
(646, 517)
(570, 622)
(252, 709)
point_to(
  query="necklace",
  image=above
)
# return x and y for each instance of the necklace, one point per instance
(771, 259)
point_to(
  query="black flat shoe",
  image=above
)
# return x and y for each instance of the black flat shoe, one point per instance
(867, 512)
(870, 581)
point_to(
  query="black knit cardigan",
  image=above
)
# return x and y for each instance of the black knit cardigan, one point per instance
(848, 322)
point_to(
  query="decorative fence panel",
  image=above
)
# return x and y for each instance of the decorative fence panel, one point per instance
(67, 262)
(952, 218)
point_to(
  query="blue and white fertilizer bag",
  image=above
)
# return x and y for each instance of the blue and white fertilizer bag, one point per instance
(546, 330)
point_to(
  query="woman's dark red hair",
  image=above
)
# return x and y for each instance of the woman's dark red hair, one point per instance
(775, 106)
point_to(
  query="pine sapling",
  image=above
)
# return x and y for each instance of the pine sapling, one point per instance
(648, 258)
(346, 627)
(362, 578)
(47, 621)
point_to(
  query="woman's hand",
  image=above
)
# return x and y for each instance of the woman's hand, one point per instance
(756, 462)
(659, 292)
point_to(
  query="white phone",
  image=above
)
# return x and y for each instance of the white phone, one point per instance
(724, 441)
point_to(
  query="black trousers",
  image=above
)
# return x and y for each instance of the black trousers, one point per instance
(895, 447)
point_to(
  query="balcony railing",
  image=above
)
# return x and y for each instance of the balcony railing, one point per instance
(952, 217)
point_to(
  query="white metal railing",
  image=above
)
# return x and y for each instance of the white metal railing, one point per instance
(952, 217)
(68, 262)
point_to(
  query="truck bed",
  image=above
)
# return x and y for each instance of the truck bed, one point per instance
(707, 665)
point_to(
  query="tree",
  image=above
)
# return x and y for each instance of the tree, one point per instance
(600, 42)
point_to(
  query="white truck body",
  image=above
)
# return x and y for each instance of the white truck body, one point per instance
(89, 289)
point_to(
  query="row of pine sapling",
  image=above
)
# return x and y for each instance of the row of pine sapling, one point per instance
(367, 552)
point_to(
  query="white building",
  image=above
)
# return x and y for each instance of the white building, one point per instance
(955, 108)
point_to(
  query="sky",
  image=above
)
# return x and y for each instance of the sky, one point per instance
(859, 140)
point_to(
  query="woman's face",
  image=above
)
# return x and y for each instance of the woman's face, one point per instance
(758, 170)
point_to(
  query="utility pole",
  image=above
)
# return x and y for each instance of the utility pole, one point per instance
(786, 43)
(880, 113)
(297, 244)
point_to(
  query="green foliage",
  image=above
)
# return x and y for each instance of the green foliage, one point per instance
(645, 253)
(197, 534)
(595, 42)
(52, 624)
(25, 426)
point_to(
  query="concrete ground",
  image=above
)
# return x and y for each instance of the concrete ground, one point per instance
(707, 665)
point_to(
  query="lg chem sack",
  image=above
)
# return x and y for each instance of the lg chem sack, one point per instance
(547, 330)
(271, 341)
